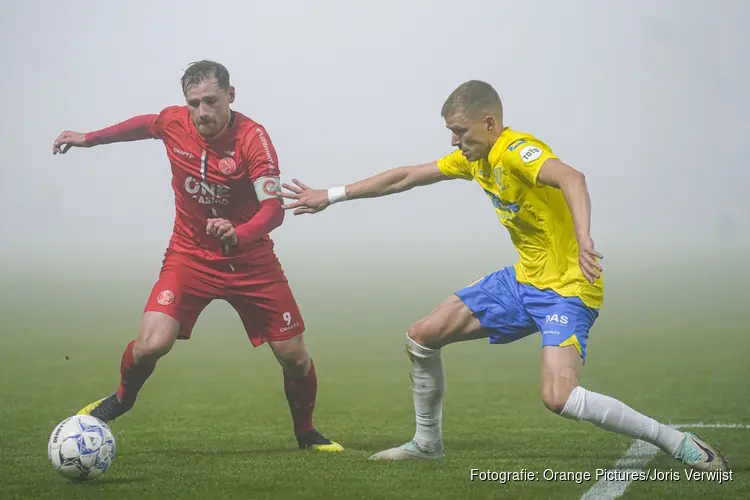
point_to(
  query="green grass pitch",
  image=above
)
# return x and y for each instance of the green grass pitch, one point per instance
(213, 421)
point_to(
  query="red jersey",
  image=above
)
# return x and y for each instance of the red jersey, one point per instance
(216, 178)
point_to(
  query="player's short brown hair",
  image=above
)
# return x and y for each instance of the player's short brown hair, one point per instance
(201, 70)
(473, 98)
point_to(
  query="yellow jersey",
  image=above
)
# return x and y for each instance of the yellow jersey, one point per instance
(537, 217)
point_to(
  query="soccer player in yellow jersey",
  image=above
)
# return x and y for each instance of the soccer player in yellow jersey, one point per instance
(555, 288)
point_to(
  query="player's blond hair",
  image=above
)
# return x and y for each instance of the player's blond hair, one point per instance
(199, 71)
(473, 98)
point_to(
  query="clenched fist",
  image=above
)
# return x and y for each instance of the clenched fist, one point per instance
(224, 230)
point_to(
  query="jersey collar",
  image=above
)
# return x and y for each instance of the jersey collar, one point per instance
(502, 143)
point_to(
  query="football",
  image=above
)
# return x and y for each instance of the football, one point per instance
(81, 448)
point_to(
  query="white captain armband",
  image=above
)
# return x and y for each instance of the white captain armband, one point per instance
(267, 188)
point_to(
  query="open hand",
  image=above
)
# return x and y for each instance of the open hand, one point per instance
(587, 257)
(308, 200)
(69, 139)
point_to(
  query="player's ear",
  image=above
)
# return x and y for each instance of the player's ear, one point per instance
(490, 123)
(231, 93)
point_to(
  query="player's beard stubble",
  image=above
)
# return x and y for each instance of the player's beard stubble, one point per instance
(210, 127)
(207, 127)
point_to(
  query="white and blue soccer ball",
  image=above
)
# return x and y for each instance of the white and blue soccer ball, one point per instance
(81, 448)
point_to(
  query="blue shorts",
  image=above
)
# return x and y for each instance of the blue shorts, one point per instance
(510, 311)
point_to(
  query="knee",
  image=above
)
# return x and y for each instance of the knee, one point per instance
(296, 365)
(560, 368)
(451, 321)
(156, 337)
(423, 335)
(152, 347)
(555, 395)
(293, 357)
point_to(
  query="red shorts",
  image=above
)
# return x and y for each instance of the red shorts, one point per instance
(259, 293)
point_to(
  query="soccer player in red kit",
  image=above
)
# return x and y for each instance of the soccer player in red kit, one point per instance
(225, 177)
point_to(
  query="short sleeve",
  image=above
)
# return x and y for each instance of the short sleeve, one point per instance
(526, 162)
(455, 165)
(260, 154)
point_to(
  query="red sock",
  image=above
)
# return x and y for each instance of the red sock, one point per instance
(300, 393)
(132, 375)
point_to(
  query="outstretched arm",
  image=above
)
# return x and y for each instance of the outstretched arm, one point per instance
(137, 128)
(393, 181)
(396, 180)
(134, 129)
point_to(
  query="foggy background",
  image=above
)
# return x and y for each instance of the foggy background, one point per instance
(648, 99)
